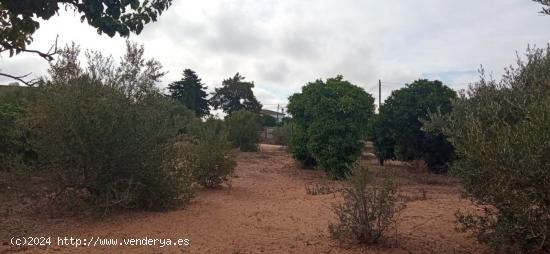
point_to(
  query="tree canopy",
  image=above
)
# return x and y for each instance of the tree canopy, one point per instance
(330, 122)
(400, 122)
(191, 93)
(135, 76)
(20, 18)
(234, 95)
(500, 132)
(546, 6)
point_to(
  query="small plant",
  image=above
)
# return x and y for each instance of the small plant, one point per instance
(320, 189)
(369, 208)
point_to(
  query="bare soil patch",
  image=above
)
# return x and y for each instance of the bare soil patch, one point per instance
(265, 210)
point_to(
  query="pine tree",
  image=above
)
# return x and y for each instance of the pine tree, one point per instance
(191, 93)
(234, 95)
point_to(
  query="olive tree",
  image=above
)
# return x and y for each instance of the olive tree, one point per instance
(105, 150)
(500, 133)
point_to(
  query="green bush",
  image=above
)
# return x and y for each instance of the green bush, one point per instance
(334, 146)
(16, 155)
(500, 131)
(14, 148)
(244, 127)
(10, 135)
(111, 151)
(283, 133)
(331, 121)
(298, 148)
(398, 128)
(369, 208)
(10, 145)
(383, 141)
(214, 161)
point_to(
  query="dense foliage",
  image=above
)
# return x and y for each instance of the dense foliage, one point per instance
(500, 131)
(191, 93)
(330, 122)
(214, 161)
(14, 147)
(106, 138)
(109, 150)
(10, 135)
(234, 95)
(400, 121)
(20, 18)
(244, 127)
(383, 142)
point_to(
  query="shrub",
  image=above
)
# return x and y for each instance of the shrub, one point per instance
(16, 157)
(298, 148)
(113, 151)
(10, 145)
(500, 133)
(283, 133)
(14, 148)
(369, 208)
(334, 146)
(244, 127)
(10, 136)
(214, 161)
(398, 129)
(331, 120)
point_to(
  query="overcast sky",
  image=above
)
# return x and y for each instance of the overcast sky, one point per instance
(281, 45)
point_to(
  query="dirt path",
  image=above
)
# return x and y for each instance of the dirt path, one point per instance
(267, 211)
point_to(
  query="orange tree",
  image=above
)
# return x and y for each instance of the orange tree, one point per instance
(330, 119)
(398, 128)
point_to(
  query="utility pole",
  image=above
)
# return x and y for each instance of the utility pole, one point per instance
(379, 95)
(277, 112)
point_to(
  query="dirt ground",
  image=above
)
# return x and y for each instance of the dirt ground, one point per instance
(266, 210)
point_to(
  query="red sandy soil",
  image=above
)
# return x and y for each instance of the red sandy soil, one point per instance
(266, 210)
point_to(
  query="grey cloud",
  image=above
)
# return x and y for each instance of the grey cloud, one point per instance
(300, 43)
(23, 64)
(275, 72)
(232, 35)
(282, 45)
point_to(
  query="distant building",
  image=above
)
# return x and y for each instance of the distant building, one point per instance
(277, 115)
